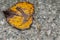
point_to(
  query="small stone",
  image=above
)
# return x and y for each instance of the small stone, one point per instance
(53, 25)
(40, 2)
(48, 32)
(2, 22)
(3, 8)
(11, 39)
(50, 6)
(50, 20)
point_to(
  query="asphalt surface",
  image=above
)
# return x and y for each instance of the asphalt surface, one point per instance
(46, 23)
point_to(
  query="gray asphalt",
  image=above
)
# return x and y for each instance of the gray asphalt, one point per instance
(46, 23)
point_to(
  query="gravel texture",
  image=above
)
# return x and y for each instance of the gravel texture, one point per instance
(46, 23)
